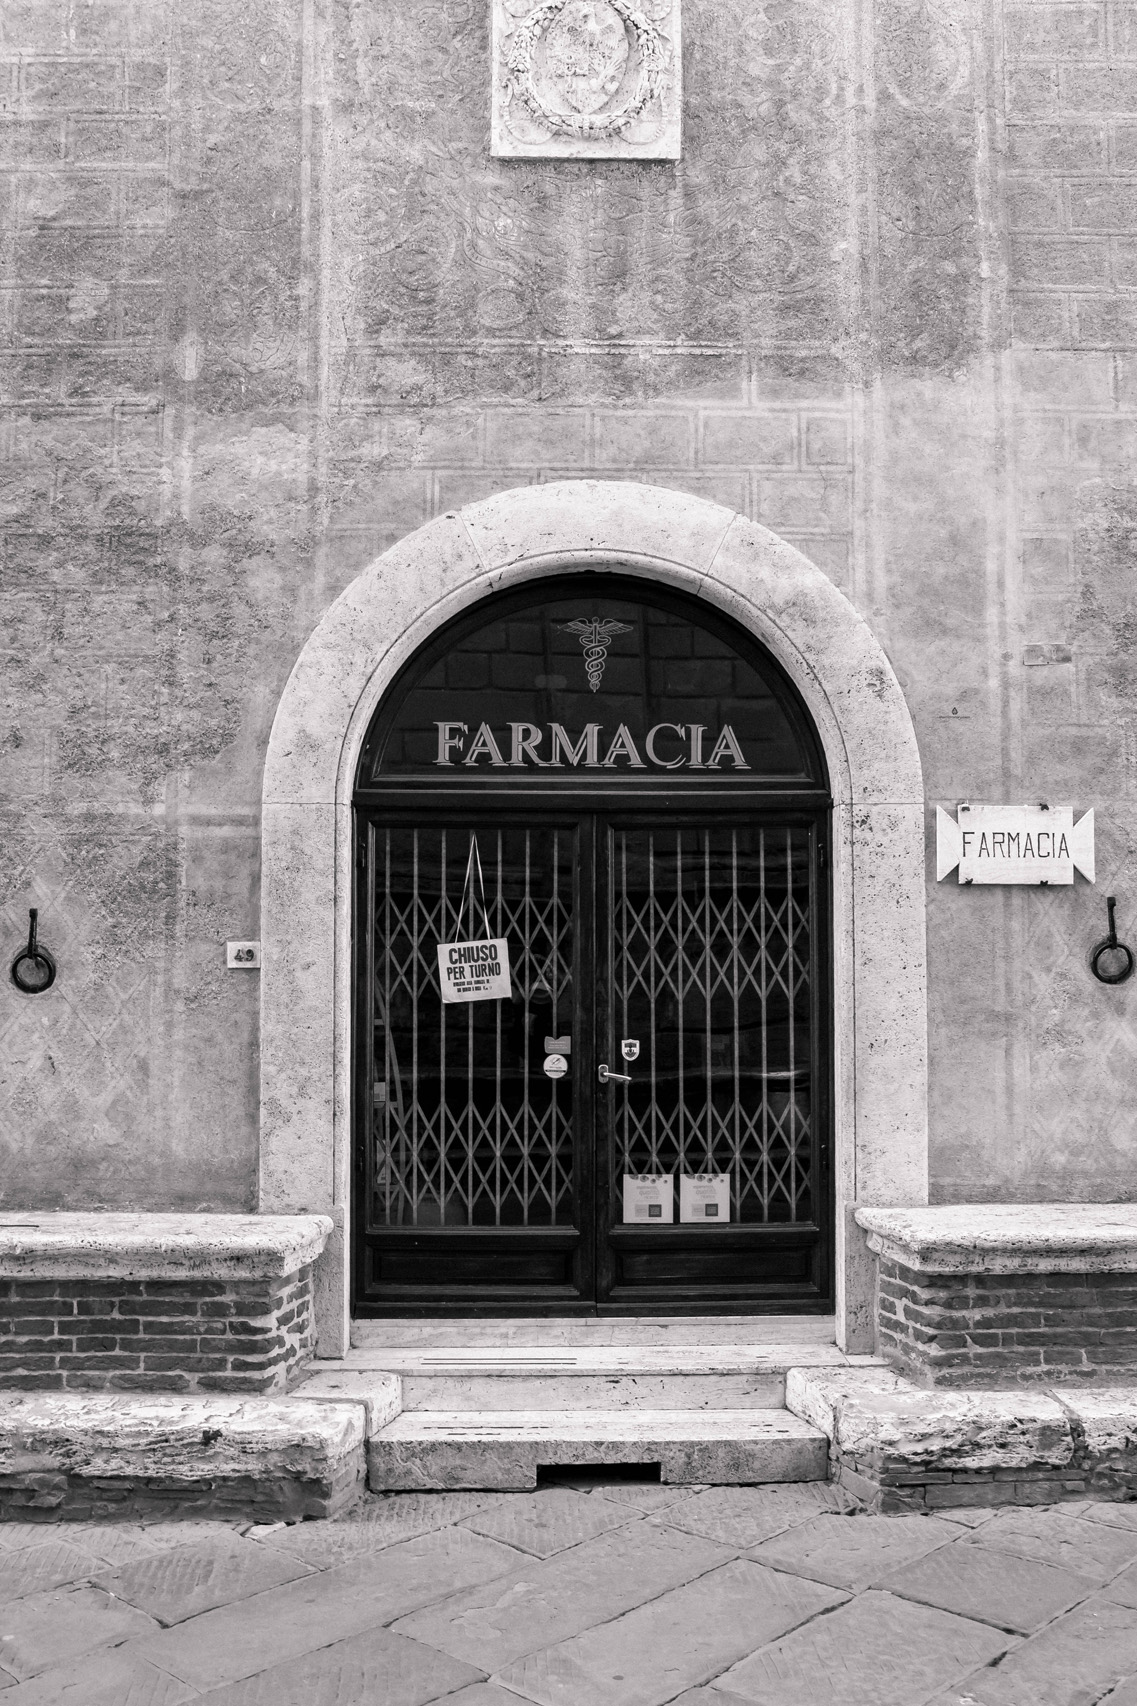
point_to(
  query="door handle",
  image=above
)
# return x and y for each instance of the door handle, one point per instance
(607, 1077)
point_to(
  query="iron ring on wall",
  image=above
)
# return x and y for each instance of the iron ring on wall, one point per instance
(33, 969)
(1110, 945)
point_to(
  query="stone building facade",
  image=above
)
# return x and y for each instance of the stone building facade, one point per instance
(270, 304)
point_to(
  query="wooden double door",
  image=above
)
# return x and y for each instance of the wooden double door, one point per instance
(642, 1124)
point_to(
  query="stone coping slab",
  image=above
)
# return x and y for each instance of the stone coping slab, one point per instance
(122, 1436)
(1006, 1238)
(111, 1246)
(875, 1414)
(874, 1411)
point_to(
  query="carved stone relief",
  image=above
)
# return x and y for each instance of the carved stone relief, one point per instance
(587, 79)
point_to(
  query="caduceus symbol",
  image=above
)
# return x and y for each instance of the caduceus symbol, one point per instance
(595, 637)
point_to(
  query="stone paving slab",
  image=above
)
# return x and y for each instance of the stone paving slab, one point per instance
(1075, 1662)
(630, 1614)
(1123, 1588)
(482, 1694)
(1112, 1515)
(986, 1585)
(854, 1551)
(240, 1639)
(875, 1651)
(116, 1544)
(745, 1516)
(48, 1564)
(541, 1603)
(646, 1498)
(373, 1667)
(181, 1582)
(383, 1520)
(115, 1678)
(1089, 1549)
(50, 1628)
(15, 1535)
(685, 1637)
(1124, 1695)
(550, 1519)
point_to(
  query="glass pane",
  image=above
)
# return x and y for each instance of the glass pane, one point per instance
(608, 684)
(710, 972)
(466, 1128)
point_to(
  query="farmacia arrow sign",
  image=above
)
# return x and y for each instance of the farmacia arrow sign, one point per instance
(1015, 844)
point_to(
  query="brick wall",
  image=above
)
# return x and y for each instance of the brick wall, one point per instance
(1007, 1329)
(155, 1335)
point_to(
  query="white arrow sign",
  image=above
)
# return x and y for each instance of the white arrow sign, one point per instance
(1015, 844)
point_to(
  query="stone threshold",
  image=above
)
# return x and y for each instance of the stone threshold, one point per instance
(555, 1359)
(811, 1334)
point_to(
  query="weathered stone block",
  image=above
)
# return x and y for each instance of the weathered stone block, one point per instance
(268, 1457)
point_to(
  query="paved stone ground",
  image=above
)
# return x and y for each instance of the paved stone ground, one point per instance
(611, 1595)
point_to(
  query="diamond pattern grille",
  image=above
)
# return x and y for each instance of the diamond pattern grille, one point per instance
(708, 964)
(710, 968)
(466, 1129)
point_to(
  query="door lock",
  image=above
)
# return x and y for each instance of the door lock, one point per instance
(607, 1077)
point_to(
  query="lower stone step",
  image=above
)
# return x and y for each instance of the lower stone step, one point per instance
(504, 1449)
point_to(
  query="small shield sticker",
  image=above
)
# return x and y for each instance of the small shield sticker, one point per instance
(630, 1048)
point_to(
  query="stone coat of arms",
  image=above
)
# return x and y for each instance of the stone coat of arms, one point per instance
(587, 79)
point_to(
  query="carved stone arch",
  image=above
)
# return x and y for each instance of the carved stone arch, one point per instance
(829, 651)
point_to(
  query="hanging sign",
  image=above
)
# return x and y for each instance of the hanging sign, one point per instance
(475, 970)
(704, 1196)
(1015, 844)
(649, 1197)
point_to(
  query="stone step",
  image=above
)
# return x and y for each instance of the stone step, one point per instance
(555, 1359)
(504, 1449)
(631, 1374)
(517, 1391)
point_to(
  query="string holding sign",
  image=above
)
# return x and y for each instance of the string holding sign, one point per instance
(476, 969)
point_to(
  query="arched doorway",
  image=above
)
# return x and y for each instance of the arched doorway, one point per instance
(347, 665)
(621, 789)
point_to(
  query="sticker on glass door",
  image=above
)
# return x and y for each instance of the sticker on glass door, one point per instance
(649, 1197)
